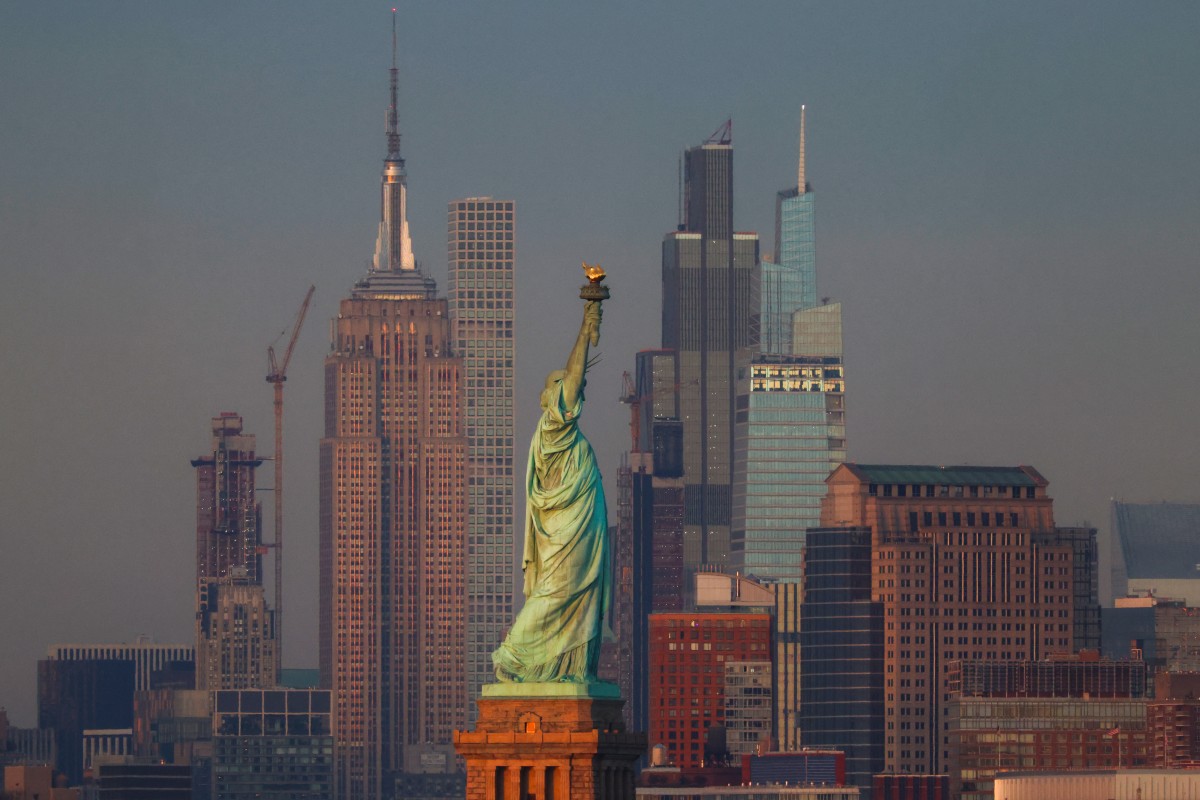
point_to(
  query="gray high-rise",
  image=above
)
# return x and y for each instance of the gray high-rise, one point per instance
(710, 319)
(480, 257)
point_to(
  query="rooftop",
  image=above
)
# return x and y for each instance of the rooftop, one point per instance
(924, 474)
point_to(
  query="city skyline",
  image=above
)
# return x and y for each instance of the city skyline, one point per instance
(1006, 214)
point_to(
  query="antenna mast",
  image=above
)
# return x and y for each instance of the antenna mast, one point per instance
(393, 123)
(800, 185)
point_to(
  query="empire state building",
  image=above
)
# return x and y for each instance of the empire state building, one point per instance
(393, 517)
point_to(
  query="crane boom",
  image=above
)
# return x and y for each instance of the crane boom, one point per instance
(276, 377)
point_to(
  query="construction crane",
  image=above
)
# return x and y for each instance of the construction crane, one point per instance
(630, 397)
(276, 377)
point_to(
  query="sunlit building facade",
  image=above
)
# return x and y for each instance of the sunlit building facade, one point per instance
(393, 518)
(966, 564)
(688, 658)
(481, 254)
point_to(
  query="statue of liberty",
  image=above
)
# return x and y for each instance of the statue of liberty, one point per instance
(556, 637)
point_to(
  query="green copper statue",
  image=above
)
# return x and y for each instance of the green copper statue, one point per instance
(556, 637)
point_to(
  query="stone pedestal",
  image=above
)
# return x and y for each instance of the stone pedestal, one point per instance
(550, 741)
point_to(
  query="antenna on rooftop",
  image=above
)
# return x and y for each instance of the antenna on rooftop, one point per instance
(801, 183)
(723, 134)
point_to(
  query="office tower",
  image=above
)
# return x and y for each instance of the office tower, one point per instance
(841, 654)
(688, 658)
(235, 630)
(790, 427)
(1155, 548)
(786, 663)
(174, 726)
(789, 280)
(74, 696)
(149, 659)
(228, 516)
(710, 319)
(965, 564)
(393, 516)
(1071, 713)
(235, 635)
(480, 255)
(272, 745)
(656, 497)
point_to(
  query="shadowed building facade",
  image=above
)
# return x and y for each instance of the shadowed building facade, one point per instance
(480, 254)
(393, 517)
(656, 512)
(710, 319)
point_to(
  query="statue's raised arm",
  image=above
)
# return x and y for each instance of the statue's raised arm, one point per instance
(556, 637)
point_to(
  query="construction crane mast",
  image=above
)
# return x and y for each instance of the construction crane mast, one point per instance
(276, 377)
(629, 396)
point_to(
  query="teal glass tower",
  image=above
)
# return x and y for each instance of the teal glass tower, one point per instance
(790, 428)
(789, 280)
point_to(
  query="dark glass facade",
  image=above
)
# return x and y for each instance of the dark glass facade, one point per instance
(710, 319)
(74, 696)
(841, 646)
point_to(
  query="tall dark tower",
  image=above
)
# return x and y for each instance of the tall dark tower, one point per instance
(236, 643)
(393, 520)
(710, 319)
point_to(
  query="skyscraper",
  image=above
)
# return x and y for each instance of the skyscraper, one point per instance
(790, 427)
(789, 280)
(656, 497)
(235, 630)
(228, 516)
(480, 255)
(965, 564)
(235, 635)
(393, 516)
(710, 319)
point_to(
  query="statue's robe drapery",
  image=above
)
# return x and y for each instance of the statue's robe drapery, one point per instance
(556, 637)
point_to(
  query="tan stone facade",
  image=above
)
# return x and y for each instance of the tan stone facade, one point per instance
(393, 540)
(550, 748)
(967, 565)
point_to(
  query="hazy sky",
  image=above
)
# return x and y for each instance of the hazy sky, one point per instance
(1007, 206)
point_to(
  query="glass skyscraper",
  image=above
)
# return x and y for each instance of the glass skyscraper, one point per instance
(841, 652)
(789, 423)
(710, 320)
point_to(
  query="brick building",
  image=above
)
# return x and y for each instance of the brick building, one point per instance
(1081, 712)
(688, 658)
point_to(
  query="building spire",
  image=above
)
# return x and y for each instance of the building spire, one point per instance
(393, 247)
(393, 124)
(800, 183)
